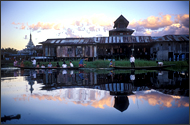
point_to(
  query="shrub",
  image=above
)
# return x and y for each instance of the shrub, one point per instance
(27, 63)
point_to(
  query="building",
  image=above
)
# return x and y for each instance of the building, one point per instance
(171, 48)
(119, 45)
(30, 50)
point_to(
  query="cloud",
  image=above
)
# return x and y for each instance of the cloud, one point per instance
(163, 100)
(57, 26)
(25, 37)
(182, 19)
(43, 26)
(22, 26)
(162, 25)
(40, 26)
(76, 23)
(97, 24)
(99, 35)
(81, 29)
(153, 23)
(92, 28)
(70, 33)
(93, 23)
(175, 29)
(47, 26)
(15, 23)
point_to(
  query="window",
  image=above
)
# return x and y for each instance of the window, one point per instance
(121, 33)
(69, 50)
(108, 51)
(120, 50)
(114, 50)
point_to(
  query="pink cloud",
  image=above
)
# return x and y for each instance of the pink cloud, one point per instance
(57, 27)
(15, 23)
(182, 19)
(179, 26)
(70, 33)
(41, 25)
(92, 28)
(153, 22)
(78, 23)
(80, 29)
(47, 26)
(22, 26)
(169, 30)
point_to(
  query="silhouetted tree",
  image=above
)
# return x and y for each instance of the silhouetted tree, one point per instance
(9, 50)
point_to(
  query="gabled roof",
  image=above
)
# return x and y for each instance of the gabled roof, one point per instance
(173, 38)
(121, 17)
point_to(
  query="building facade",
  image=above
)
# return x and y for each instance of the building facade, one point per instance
(119, 45)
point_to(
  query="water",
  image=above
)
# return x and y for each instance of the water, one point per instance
(88, 97)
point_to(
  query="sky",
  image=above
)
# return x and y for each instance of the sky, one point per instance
(76, 19)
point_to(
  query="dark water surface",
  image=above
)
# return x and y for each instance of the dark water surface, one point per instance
(88, 97)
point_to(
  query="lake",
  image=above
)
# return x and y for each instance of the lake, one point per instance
(90, 97)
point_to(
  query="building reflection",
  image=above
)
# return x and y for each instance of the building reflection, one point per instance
(168, 82)
(121, 103)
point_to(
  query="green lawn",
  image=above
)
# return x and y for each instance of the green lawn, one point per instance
(105, 63)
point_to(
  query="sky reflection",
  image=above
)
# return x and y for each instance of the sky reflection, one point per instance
(102, 98)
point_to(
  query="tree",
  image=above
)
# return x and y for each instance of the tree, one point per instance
(9, 50)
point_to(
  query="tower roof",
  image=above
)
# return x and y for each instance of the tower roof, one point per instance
(30, 43)
(121, 18)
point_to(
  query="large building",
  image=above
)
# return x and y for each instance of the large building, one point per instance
(119, 45)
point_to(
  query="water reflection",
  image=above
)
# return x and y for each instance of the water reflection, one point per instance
(168, 82)
(84, 88)
(174, 83)
(39, 95)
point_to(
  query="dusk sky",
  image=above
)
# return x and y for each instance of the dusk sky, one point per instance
(64, 19)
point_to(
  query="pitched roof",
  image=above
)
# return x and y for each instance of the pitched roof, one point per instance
(121, 17)
(173, 38)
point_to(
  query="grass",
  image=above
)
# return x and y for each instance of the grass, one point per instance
(105, 63)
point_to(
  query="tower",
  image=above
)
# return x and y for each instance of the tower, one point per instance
(30, 44)
(120, 26)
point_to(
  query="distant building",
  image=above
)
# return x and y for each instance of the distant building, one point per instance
(29, 50)
(119, 45)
